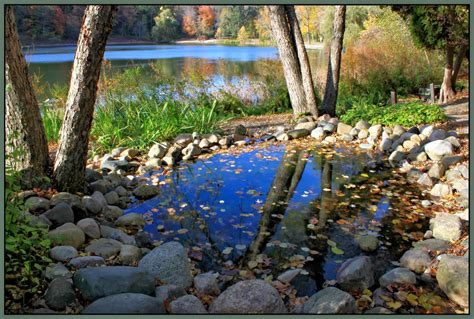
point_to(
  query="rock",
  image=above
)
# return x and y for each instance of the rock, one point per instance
(385, 144)
(425, 180)
(126, 303)
(112, 212)
(104, 247)
(169, 292)
(145, 191)
(425, 203)
(446, 227)
(204, 143)
(362, 124)
(375, 130)
(307, 126)
(92, 206)
(212, 138)
(92, 175)
(100, 199)
(421, 157)
(409, 145)
(464, 215)
(143, 239)
(460, 184)
(225, 141)
(397, 276)
(437, 134)
(87, 261)
(240, 130)
(343, 128)
(330, 301)
(114, 165)
(368, 242)
(111, 197)
(60, 214)
(250, 297)
(356, 274)
(282, 136)
(464, 170)
(318, 133)
(454, 141)
(453, 278)
(451, 160)
(378, 310)
(90, 227)
(130, 153)
(288, 275)
(67, 235)
(116, 151)
(441, 190)
(396, 157)
(329, 128)
(427, 130)
(131, 220)
(151, 163)
(398, 130)
(100, 185)
(324, 117)
(183, 139)
(130, 255)
(117, 234)
(187, 304)
(334, 121)
(173, 154)
(293, 134)
(436, 150)
(206, 284)
(354, 132)
(347, 137)
(63, 253)
(168, 263)
(329, 140)
(37, 204)
(416, 260)
(59, 294)
(363, 133)
(432, 245)
(57, 270)
(437, 170)
(98, 282)
(191, 150)
(67, 198)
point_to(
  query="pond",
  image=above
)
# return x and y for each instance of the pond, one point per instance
(270, 209)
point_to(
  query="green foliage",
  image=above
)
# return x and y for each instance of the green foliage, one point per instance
(408, 114)
(166, 28)
(232, 18)
(52, 120)
(26, 249)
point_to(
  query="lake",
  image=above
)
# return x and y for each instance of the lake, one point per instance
(219, 63)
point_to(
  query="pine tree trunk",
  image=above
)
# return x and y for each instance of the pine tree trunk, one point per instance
(289, 58)
(69, 168)
(457, 65)
(334, 64)
(307, 79)
(446, 93)
(24, 128)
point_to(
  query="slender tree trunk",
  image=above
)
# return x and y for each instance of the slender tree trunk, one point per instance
(24, 128)
(446, 93)
(289, 58)
(69, 169)
(457, 65)
(308, 85)
(334, 64)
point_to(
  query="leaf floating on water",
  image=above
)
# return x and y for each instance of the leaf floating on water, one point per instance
(171, 211)
(305, 249)
(252, 264)
(221, 201)
(283, 245)
(412, 299)
(394, 304)
(331, 243)
(364, 175)
(337, 251)
(240, 247)
(182, 231)
(227, 250)
(160, 227)
(311, 226)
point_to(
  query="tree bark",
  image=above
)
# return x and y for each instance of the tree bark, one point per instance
(289, 58)
(307, 79)
(334, 64)
(446, 93)
(457, 65)
(69, 169)
(24, 128)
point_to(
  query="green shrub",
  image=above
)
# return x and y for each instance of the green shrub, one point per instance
(52, 120)
(408, 114)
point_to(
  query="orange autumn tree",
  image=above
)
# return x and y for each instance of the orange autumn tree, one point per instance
(189, 25)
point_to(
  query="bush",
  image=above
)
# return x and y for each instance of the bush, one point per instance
(408, 114)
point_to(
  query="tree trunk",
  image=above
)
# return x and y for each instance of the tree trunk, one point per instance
(24, 130)
(69, 169)
(446, 93)
(334, 64)
(303, 60)
(457, 65)
(289, 58)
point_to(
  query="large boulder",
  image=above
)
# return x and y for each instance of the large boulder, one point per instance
(104, 247)
(68, 198)
(100, 199)
(59, 294)
(145, 191)
(91, 205)
(249, 297)
(169, 263)
(126, 303)
(60, 214)
(90, 227)
(330, 301)
(432, 244)
(98, 282)
(416, 260)
(67, 235)
(453, 278)
(436, 150)
(397, 276)
(356, 274)
(37, 204)
(446, 227)
(187, 304)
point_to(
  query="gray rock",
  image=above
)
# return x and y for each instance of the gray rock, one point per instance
(463, 215)
(464, 170)
(59, 294)
(288, 275)
(126, 303)
(354, 132)
(226, 141)
(250, 297)
(168, 263)
(204, 143)
(37, 204)
(91, 205)
(70, 199)
(173, 155)
(409, 145)
(446, 227)
(240, 130)
(104, 247)
(385, 144)
(191, 150)
(427, 130)
(452, 160)
(90, 227)
(425, 180)
(432, 245)
(343, 128)
(362, 124)
(282, 136)
(329, 128)
(100, 199)
(363, 133)
(307, 126)
(98, 282)
(60, 214)
(67, 235)
(329, 140)
(441, 190)
(131, 220)
(112, 212)
(425, 203)
(416, 260)
(368, 242)
(396, 157)
(397, 276)
(117, 234)
(130, 255)
(421, 157)
(117, 151)
(330, 301)
(347, 137)
(436, 150)
(334, 121)
(130, 153)
(293, 134)
(101, 186)
(169, 292)
(158, 150)
(111, 197)
(57, 270)
(206, 284)
(63, 253)
(356, 274)
(454, 141)
(460, 184)
(453, 278)
(437, 170)
(187, 304)
(121, 191)
(375, 130)
(87, 261)
(212, 138)
(183, 139)
(398, 130)
(378, 310)
(437, 134)
(92, 175)
(318, 133)
(145, 191)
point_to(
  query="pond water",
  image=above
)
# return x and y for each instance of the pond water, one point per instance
(279, 207)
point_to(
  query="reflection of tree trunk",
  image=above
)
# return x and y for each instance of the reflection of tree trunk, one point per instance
(457, 65)
(327, 201)
(284, 183)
